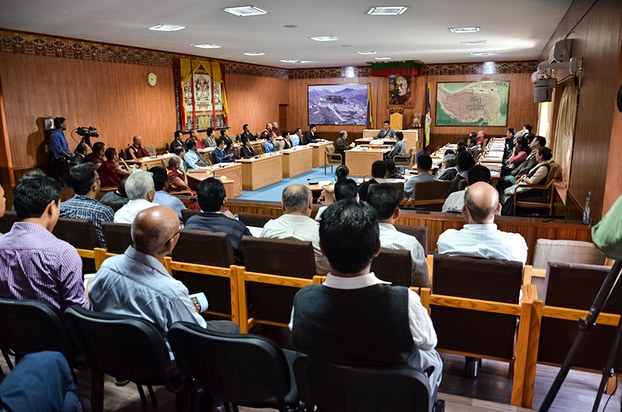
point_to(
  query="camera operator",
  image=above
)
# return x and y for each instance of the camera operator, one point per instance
(60, 149)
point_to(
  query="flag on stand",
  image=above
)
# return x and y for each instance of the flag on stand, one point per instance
(428, 117)
(369, 119)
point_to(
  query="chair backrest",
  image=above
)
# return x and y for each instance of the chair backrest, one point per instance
(396, 121)
(568, 251)
(6, 221)
(341, 388)
(118, 236)
(124, 347)
(79, 233)
(206, 248)
(575, 286)
(484, 279)
(28, 326)
(431, 195)
(421, 233)
(241, 369)
(250, 219)
(463, 184)
(188, 213)
(393, 266)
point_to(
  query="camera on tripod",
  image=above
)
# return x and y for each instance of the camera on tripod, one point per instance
(87, 131)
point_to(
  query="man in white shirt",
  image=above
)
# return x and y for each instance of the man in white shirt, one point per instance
(386, 202)
(296, 138)
(140, 189)
(455, 201)
(297, 223)
(479, 237)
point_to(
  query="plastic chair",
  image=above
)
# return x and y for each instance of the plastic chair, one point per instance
(332, 158)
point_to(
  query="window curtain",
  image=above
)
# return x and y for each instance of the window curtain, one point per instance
(564, 130)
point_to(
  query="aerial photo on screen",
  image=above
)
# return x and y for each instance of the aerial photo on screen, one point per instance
(482, 103)
(338, 104)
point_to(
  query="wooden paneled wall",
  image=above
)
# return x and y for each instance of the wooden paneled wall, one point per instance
(113, 97)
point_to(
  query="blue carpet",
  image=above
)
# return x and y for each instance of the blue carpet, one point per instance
(273, 192)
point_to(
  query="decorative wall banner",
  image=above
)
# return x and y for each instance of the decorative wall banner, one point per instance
(482, 103)
(203, 98)
(347, 104)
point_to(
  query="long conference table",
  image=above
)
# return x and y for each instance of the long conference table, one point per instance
(297, 160)
(359, 159)
(230, 174)
(261, 171)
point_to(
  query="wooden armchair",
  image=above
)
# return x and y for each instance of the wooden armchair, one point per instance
(393, 266)
(537, 196)
(80, 234)
(430, 195)
(118, 237)
(405, 161)
(332, 158)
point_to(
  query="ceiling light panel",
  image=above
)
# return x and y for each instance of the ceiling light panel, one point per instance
(206, 46)
(367, 52)
(461, 30)
(289, 61)
(255, 53)
(387, 10)
(324, 38)
(245, 11)
(481, 53)
(382, 58)
(474, 43)
(166, 27)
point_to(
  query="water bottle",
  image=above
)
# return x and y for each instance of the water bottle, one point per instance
(586, 210)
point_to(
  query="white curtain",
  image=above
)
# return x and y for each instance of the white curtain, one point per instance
(564, 131)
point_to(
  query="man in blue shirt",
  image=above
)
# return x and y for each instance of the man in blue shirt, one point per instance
(60, 149)
(160, 181)
(268, 146)
(193, 159)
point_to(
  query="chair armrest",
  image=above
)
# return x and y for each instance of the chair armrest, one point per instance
(530, 293)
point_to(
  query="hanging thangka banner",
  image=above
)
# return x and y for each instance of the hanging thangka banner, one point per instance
(203, 99)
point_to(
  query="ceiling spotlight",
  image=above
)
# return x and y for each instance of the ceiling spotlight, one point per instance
(254, 53)
(324, 38)
(367, 52)
(460, 30)
(289, 61)
(382, 58)
(245, 11)
(166, 27)
(474, 43)
(387, 10)
(481, 53)
(206, 46)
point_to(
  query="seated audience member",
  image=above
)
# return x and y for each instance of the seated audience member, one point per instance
(219, 155)
(296, 138)
(194, 137)
(385, 200)
(210, 141)
(341, 144)
(161, 197)
(378, 173)
(180, 153)
(35, 264)
(455, 200)
(465, 162)
(140, 190)
(536, 143)
(82, 150)
(537, 176)
(113, 169)
(311, 136)
(137, 284)
(424, 166)
(296, 222)
(326, 319)
(192, 158)
(177, 142)
(460, 148)
(224, 136)
(85, 183)
(392, 171)
(246, 150)
(215, 218)
(275, 129)
(448, 168)
(41, 381)
(286, 143)
(481, 138)
(97, 156)
(398, 148)
(246, 133)
(136, 149)
(472, 144)
(269, 145)
(344, 189)
(230, 151)
(519, 154)
(177, 179)
(479, 236)
(386, 132)
(327, 197)
(116, 197)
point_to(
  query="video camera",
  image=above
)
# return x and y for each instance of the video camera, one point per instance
(87, 131)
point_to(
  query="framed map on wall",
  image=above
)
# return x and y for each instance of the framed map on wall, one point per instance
(338, 104)
(483, 103)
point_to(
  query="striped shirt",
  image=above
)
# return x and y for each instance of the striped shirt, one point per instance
(84, 207)
(35, 264)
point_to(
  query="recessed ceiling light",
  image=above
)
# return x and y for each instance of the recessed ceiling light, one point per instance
(474, 43)
(206, 46)
(166, 27)
(324, 38)
(245, 11)
(367, 52)
(346, 45)
(254, 54)
(463, 29)
(387, 10)
(382, 58)
(481, 53)
(289, 61)
(290, 26)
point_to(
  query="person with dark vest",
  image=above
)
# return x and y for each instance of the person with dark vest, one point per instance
(354, 318)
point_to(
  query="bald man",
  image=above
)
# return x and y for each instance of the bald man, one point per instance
(137, 284)
(136, 150)
(296, 222)
(479, 237)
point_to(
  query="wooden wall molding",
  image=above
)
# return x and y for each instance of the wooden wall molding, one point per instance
(327, 73)
(255, 70)
(480, 68)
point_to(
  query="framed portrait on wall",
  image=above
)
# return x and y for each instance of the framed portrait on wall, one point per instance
(399, 89)
(345, 104)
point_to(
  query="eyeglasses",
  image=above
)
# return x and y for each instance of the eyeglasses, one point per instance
(176, 233)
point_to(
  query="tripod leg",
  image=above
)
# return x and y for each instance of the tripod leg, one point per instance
(608, 368)
(585, 326)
